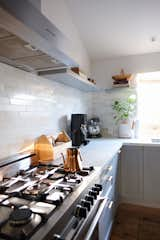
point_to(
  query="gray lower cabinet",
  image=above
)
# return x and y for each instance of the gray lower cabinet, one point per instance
(107, 217)
(131, 173)
(140, 175)
(152, 175)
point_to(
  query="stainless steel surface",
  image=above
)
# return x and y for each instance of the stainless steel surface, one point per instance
(96, 219)
(51, 200)
(94, 127)
(42, 208)
(17, 202)
(87, 221)
(3, 197)
(4, 213)
(17, 232)
(93, 130)
(28, 40)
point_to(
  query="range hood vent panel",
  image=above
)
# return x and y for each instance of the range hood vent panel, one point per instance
(22, 25)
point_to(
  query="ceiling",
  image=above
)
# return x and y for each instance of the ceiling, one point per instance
(112, 28)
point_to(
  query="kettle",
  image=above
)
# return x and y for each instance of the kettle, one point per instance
(73, 161)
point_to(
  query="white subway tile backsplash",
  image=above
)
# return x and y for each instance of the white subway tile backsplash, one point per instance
(31, 106)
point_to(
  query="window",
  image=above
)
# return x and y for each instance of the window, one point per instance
(149, 104)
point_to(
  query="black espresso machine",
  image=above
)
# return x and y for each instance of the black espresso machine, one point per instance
(79, 129)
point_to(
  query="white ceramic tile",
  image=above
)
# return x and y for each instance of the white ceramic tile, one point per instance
(31, 106)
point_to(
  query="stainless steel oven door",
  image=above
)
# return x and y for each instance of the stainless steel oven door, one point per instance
(91, 228)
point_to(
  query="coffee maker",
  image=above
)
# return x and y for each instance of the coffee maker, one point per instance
(79, 129)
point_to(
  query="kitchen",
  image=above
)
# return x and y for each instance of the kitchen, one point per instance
(31, 105)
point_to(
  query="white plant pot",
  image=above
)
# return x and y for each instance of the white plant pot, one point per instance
(124, 130)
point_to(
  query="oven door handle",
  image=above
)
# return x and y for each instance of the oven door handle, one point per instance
(96, 218)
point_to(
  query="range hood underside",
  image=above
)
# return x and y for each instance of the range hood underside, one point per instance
(29, 45)
(18, 53)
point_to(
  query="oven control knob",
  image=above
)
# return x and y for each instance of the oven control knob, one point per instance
(81, 211)
(99, 186)
(96, 189)
(89, 198)
(78, 181)
(86, 204)
(93, 193)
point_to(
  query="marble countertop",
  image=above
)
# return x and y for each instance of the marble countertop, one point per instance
(100, 151)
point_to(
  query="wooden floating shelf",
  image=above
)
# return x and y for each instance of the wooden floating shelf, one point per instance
(68, 77)
(120, 85)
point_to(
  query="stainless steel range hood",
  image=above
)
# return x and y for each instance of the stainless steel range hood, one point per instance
(28, 40)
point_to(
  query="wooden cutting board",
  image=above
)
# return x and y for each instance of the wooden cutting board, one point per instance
(44, 149)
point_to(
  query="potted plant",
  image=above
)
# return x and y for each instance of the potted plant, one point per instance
(124, 110)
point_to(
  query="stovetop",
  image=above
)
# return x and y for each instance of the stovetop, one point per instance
(28, 199)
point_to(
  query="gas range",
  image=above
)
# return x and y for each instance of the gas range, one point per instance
(31, 198)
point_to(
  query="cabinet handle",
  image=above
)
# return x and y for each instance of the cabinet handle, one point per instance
(110, 204)
(96, 219)
(110, 178)
(109, 168)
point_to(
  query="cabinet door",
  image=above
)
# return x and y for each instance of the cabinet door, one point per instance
(152, 175)
(131, 174)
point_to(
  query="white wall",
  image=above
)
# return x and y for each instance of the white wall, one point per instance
(102, 107)
(58, 13)
(103, 70)
(32, 105)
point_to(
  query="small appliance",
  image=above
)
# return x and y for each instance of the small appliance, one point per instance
(94, 128)
(79, 129)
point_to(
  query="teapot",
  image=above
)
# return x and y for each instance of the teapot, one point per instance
(73, 161)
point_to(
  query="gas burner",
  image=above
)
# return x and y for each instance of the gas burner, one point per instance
(72, 178)
(57, 175)
(56, 197)
(21, 224)
(36, 189)
(20, 216)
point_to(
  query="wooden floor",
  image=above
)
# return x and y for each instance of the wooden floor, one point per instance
(136, 223)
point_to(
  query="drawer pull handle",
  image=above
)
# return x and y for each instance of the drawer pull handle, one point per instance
(110, 204)
(109, 168)
(110, 179)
